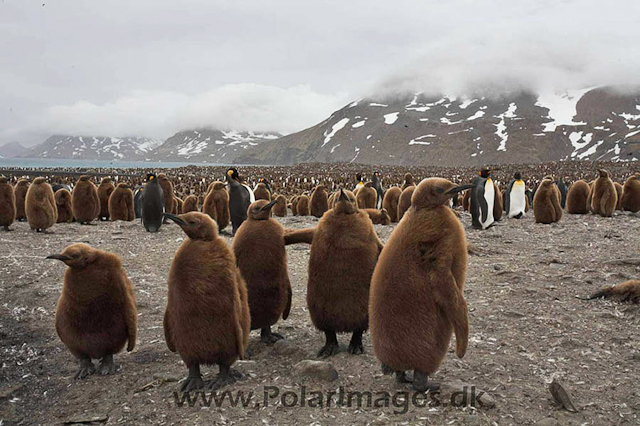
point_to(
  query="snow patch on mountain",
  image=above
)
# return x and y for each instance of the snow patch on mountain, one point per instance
(335, 129)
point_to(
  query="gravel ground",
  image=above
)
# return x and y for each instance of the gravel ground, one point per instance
(527, 328)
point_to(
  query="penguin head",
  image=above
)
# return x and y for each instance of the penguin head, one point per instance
(408, 178)
(151, 176)
(197, 226)
(359, 177)
(3, 179)
(232, 173)
(484, 172)
(603, 173)
(83, 178)
(39, 180)
(106, 179)
(260, 210)
(76, 256)
(123, 185)
(346, 203)
(517, 176)
(434, 192)
(385, 219)
(375, 177)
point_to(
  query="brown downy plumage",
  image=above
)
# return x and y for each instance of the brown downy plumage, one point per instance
(405, 201)
(96, 313)
(577, 198)
(590, 195)
(546, 202)
(303, 205)
(20, 191)
(85, 201)
(170, 205)
(466, 200)
(179, 204)
(261, 192)
(207, 316)
(417, 290)
(605, 197)
(498, 207)
(121, 203)
(390, 202)
(7, 204)
(367, 196)
(619, 194)
(40, 205)
(408, 181)
(280, 209)
(628, 291)
(631, 194)
(105, 189)
(379, 217)
(63, 201)
(259, 247)
(343, 255)
(319, 201)
(294, 205)
(216, 204)
(190, 204)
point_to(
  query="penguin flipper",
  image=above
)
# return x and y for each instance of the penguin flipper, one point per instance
(450, 299)
(287, 308)
(167, 331)
(298, 236)
(131, 315)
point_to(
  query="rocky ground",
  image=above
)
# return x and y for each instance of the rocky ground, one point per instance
(527, 328)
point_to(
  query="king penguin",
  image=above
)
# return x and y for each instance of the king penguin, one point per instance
(152, 205)
(515, 202)
(482, 197)
(240, 198)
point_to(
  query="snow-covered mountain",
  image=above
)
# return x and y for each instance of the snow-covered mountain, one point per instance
(12, 149)
(589, 124)
(208, 145)
(94, 148)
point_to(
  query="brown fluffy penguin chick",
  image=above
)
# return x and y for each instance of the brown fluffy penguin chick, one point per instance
(40, 205)
(604, 197)
(367, 196)
(262, 192)
(259, 247)
(631, 194)
(498, 207)
(303, 205)
(590, 195)
(577, 198)
(170, 205)
(343, 255)
(179, 204)
(85, 201)
(294, 206)
(216, 204)
(546, 202)
(121, 203)
(628, 291)
(7, 204)
(63, 201)
(408, 181)
(319, 201)
(379, 217)
(390, 202)
(105, 189)
(466, 200)
(405, 201)
(20, 191)
(417, 290)
(619, 193)
(96, 313)
(207, 316)
(190, 204)
(280, 209)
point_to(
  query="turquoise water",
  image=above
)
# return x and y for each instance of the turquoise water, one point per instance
(49, 162)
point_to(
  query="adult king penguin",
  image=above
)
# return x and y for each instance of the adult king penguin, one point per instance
(515, 198)
(377, 185)
(152, 205)
(240, 198)
(482, 198)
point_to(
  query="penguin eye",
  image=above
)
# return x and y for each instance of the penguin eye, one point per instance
(440, 190)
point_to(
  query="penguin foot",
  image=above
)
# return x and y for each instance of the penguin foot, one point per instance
(6, 228)
(355, 346)
(386, 370)
(227, 376)
(401, 377)
(88, 223)
(86, 369)
(328, 350)
(268, 337)
(193, 380)
(422, 384)
(107, 366)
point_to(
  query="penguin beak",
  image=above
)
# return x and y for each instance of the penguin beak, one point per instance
(267, 207)
(343, 196)
(58, 257)
(174, 218)
(460, 188)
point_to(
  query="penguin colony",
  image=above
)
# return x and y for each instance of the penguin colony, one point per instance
(424, 260)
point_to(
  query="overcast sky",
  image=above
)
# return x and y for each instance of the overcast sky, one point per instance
(154, 67)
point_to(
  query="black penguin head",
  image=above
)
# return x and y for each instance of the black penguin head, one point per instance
(517, 176)
(434, 192)
(359, 177)
(603, 173)
(151, 176)
(76, 256)
(197, 226)
(376, 177)
(346, 203)
(260, 210)
(232, 173)
(484, 172)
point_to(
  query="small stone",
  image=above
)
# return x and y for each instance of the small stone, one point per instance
(284, 347)
(317, 369)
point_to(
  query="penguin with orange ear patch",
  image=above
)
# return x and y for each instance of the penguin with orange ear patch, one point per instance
(417, 288)
(207, 316)
(344, 252)
(96, 313)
